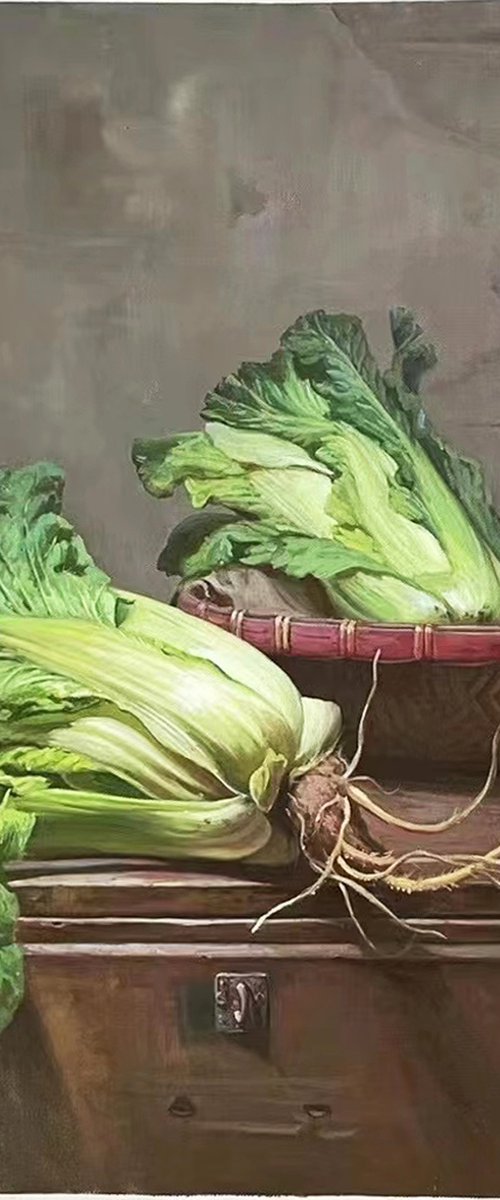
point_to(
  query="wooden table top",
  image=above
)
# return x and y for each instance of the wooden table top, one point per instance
(101, 888)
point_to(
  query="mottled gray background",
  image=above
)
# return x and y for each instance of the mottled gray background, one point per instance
(177, 183)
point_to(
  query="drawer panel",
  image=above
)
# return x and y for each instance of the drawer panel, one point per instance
(371, 1077)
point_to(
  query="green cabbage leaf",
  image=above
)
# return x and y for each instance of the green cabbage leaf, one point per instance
(325, 467)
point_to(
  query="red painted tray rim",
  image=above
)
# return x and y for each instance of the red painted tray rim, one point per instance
(326, 638)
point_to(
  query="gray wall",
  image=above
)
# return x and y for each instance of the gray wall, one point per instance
(177, 183)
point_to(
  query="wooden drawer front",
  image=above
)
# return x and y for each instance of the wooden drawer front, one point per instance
(372, 1076)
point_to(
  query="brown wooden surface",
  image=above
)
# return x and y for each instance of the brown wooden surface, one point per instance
(404, 1056)
(280, 935)
(144, 889)
(379, 1073)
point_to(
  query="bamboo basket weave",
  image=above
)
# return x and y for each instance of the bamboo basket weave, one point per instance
(438, 701)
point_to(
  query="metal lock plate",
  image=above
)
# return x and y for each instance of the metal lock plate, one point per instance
(241, 1003)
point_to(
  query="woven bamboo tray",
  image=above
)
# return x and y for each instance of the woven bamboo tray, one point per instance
(438, 701)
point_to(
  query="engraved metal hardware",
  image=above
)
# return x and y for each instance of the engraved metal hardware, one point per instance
(241, 1003)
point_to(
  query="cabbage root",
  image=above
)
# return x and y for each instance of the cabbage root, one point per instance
(327, 807)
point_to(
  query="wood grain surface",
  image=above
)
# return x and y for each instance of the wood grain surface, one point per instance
(377, 1076)
(379, 1071)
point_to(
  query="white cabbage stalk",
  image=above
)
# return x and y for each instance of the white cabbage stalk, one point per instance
(179, 632)
(116, 745)
(66, 821)
(321, 730)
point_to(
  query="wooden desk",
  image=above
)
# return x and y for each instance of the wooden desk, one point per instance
(377, 1072)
